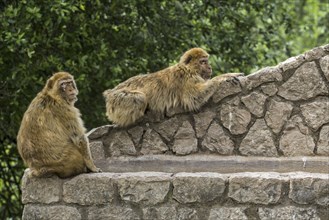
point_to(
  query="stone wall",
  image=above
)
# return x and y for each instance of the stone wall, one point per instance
(279, 111)
(258, 150)
(158, 195)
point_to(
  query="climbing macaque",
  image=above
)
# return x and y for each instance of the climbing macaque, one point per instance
(186, 85)
(51, 139)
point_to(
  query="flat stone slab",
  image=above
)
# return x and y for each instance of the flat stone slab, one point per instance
(212, 163)
(184, 195)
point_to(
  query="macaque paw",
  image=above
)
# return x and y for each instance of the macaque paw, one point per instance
(234, 78)
(239, 75)
(98, 170)
(95, 170)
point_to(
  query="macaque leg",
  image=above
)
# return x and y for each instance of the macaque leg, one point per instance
(86, 154)
(89, 161)
(66, 167)
(65, 171)
(43, 172)
(125, 107)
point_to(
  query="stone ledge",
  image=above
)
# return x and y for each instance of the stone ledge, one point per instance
(159, 195)
(152, 188)
(212, 163)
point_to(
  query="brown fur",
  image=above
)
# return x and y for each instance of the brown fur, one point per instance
(184, 85)
(51, 139)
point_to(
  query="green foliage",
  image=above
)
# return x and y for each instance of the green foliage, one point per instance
(104, 42)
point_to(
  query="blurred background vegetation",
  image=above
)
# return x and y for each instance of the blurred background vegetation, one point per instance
(105, 42)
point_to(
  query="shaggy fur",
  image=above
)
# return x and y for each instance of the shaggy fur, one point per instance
(51, 139)
(184, 85)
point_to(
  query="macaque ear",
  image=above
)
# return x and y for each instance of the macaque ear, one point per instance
(50, 84)
(188, 60)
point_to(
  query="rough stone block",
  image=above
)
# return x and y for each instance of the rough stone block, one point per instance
(118, 143)
(255, 103)
(277, 114)
(168, 128)
(257, 188)
(136, 134)
(288, 212)
(291, 63)
(217, 141)
(165, 212)
(326, 47)
(112, 212)
(225, 89)
(89, 189)
(188, 214)
(304, 84)
(169, 211)
(97, 150)
(269, 89)
(259, 141)
(152, 143)
(296, 139)
(234, 117)
(315, 53)
(267, 74)
(198, 187)
(323, 143)
(324, 63)
(202, 122)
(161, 213)
(185, 141)
(316, 112)
(307, 188)
(148, 188)
(40, 190)
(224, 213)
(54, 212)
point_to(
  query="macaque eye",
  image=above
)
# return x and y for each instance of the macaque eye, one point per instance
(64, 84)
(203, 61)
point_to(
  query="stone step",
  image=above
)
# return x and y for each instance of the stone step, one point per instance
(213, 163)
(160, 195)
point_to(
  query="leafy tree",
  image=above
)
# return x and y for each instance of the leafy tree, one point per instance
(105, 42)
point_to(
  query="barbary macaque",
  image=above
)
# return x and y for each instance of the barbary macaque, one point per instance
(51, 139)
(186, 85)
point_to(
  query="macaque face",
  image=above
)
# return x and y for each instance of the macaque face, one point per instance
(205, 68)
(68, 90)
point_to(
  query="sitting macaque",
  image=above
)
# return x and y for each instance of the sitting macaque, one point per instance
(186, 85)
(51, 139)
